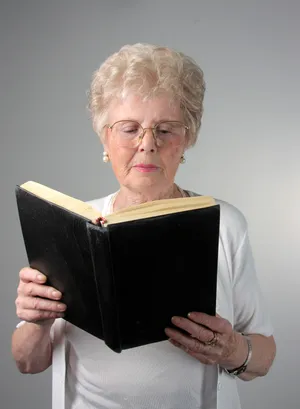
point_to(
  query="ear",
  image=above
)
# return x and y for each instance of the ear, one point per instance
(104, 139)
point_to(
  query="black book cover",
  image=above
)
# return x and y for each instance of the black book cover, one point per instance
(123, 282)
(56, 242)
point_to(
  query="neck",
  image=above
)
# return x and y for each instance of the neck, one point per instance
(126, 197)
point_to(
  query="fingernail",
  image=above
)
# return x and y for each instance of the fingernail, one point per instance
(40, 277)
(61, 307)
(176, 344)
(56, 294)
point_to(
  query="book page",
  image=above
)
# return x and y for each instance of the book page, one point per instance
(61, 199)
(159, 208)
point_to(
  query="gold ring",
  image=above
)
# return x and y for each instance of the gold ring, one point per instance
(213, 341)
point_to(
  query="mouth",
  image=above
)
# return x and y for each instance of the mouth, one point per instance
(142, 167)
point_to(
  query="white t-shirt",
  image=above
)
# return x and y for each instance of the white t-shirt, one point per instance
(87, 374)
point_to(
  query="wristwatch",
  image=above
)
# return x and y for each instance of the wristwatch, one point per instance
(243, 367)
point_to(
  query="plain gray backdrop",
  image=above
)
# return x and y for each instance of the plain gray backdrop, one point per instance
(248, 151)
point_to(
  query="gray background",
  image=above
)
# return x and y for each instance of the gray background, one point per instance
(248, 150)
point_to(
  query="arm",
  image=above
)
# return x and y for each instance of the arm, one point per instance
(32, 348)
(263, 354)
(38, 305)
(251, 314)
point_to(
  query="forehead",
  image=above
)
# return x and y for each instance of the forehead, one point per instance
(145, 111)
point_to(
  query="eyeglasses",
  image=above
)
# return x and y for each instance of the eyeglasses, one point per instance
(129, 134)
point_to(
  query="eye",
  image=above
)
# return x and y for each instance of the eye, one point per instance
(129, 128)
(164, 129)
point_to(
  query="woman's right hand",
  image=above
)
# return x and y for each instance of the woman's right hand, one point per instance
(37, 302)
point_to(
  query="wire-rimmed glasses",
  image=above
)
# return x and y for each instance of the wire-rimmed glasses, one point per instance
(129, 133)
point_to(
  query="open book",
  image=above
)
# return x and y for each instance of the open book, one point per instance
(124, 279)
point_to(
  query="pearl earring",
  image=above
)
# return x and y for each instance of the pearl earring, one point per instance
(105, 157)
(182, 159)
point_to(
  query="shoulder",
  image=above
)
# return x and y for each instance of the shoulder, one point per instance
(232, 217)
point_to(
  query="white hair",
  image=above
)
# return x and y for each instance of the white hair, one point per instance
(149, 71)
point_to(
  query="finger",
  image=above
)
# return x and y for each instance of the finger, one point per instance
(215, 324)
(203, 334)
(191, 344)
(202, 358)
(99, 220)
(35, 303)
(28, 274)
(36, 315)
(39, 290)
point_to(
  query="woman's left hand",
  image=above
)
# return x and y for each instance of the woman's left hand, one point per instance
(210, 339)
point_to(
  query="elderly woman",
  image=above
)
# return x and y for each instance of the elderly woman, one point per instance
(146, 104)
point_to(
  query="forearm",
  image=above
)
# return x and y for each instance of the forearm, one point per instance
(264, 351)
(32, 348)
(263, 354)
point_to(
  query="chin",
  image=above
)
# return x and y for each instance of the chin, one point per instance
(147, 183)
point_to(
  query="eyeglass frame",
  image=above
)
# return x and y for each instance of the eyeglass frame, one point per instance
(145, 129)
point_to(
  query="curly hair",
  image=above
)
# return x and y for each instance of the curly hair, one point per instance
(148, 71)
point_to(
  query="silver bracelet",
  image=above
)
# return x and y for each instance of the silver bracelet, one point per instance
(243, 367)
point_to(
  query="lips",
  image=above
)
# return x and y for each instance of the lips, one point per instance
(143, 167)
(146, 166)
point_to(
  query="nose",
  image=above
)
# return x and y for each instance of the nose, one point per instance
(148, 143)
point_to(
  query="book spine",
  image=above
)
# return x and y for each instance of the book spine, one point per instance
(104, 280)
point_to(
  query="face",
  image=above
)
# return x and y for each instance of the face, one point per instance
(147, 166)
